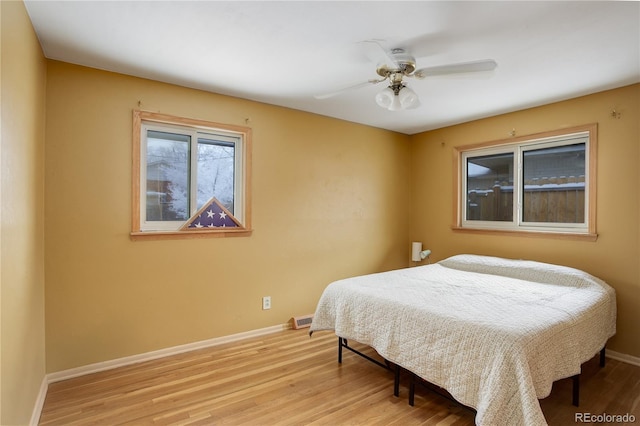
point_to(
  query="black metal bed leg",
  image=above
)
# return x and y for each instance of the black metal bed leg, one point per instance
(576, 390)
(576, 380)
(396, 381)
(412, 390)
(343, 343)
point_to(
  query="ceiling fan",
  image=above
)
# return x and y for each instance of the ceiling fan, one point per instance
(397, 65)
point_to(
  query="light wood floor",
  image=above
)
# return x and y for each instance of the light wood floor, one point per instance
(287, 378)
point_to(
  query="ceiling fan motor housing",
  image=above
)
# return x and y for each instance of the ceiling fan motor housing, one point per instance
(403, 64)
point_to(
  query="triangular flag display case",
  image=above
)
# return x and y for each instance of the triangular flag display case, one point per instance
(212, 215)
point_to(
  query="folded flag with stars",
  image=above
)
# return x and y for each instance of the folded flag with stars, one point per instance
(212, 215)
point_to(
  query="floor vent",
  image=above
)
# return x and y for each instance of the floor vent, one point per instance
(302, 322)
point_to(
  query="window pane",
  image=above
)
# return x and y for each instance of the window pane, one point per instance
(167, 176)
(554, 182)
(216, 161)
(490, 187)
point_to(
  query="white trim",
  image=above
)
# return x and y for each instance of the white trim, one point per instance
(629, 359)
(39, 405)
(148, 356)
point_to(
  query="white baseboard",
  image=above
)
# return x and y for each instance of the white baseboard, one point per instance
(629, 359)
(37, 408)
(148, 356)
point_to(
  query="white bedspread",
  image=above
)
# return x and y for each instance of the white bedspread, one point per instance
(496, 333)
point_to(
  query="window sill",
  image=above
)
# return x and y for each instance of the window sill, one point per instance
(178, 235)
(536, 234)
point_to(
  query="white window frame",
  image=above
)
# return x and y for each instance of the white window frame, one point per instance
(238, 135)
(517, 147)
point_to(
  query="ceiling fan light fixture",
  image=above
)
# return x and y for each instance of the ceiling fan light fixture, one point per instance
(404, 99)
(385, 98)
(408, 98)
(395, 105)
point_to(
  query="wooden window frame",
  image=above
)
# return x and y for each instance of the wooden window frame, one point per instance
(165, 119)
(591, 179)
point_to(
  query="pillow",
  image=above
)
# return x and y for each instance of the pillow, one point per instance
(521, 269)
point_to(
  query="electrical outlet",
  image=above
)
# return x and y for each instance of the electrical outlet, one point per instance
(266, 303)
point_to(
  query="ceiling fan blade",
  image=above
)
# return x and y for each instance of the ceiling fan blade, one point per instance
(348, 88)
(460, 68)
(381, 55)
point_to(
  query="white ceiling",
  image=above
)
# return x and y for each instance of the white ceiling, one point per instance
(284, 52)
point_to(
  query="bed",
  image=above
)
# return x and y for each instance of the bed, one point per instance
(495, 333)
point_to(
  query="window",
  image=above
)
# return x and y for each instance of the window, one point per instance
(190, 177)
(541, 184)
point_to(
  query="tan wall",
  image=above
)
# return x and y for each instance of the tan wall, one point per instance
(22, 336)
(613, 257)
(329, 201)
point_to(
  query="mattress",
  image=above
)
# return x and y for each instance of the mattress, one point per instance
(495, 333)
